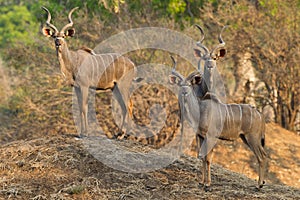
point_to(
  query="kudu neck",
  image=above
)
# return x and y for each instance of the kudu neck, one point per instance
(190, 104)
(66, 62)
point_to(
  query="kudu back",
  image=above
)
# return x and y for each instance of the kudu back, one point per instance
(84, 69)
(213, 120)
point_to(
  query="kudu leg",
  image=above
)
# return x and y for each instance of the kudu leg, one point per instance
(85, 95)
(209, 161)
(262, 166)
(82, 98)
(79, 100)
(199, 142)
(261, 158)
(257, 146)
(117, 93)
(130, 108)
(207, 154)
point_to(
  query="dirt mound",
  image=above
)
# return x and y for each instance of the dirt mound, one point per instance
(59, 167)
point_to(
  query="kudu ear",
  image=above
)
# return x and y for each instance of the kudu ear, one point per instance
(221, 53)
(197, 53)
(173, 80)
(70, 32)
(196, 80)
(47, 32)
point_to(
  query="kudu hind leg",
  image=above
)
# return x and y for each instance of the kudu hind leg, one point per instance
(257, 146)
(118, 95)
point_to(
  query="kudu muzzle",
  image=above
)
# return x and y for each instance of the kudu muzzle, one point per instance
(59, 39)
(185, 90)
(58, 42)
(210, 64)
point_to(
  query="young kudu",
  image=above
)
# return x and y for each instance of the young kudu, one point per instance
(83, 69)
(212, 83)
(212, 120)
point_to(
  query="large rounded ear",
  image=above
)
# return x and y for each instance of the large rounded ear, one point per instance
(220, 53)
(70, 32)
(47, 32)
(173, 80)
(196, 80)
(197, 53)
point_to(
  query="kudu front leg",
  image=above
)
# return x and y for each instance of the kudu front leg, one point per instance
(82, 98)
(85, 94)
(199, 142)
(206, 156)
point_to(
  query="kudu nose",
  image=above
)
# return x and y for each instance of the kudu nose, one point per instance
(58, 42)
(210, 64)
(185, 91)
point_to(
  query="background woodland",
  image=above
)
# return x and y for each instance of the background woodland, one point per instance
(261, 66)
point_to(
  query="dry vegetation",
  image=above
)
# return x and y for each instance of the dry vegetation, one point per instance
(59, 167)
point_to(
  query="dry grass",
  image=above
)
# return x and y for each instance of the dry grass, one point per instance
(58, 167)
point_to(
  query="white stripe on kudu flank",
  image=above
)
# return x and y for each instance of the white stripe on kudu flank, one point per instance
(93, 68)
(250, 118)
(228, 119)
(112, 63)
(241, 115)
(232, 115)
(103, 63)
(123, 64)
(220, 114)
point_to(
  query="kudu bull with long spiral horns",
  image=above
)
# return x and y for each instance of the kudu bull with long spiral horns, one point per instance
(84, 69)
(212, 81)
(212, 120)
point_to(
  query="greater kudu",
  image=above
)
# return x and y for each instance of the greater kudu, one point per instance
(211, 119)
(212, 83)
(84, 69)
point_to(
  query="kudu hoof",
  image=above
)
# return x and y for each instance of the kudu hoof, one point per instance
(258, 188)
(79, 137)
(119, 136)
(205, 187)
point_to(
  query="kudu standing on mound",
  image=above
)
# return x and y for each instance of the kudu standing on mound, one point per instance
(84, 69)
(211, 83)
(212, 120)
